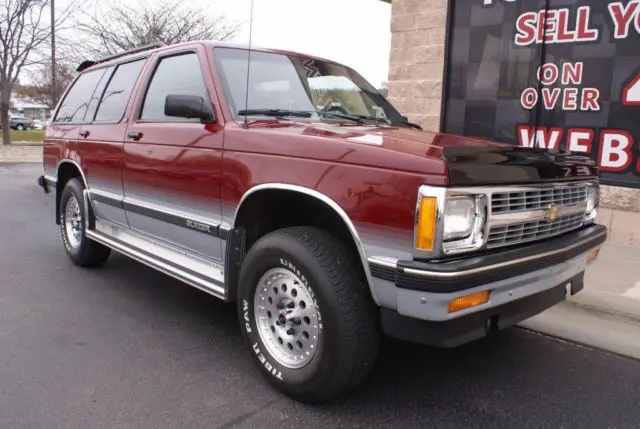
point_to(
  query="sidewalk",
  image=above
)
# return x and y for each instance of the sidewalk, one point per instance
(606, 313)
(19, 152)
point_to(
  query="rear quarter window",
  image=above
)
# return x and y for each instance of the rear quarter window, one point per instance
(75, 104)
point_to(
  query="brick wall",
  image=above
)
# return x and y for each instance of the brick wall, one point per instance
(417, 59)
(418, 29)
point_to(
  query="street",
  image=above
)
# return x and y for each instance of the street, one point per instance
(124, 346)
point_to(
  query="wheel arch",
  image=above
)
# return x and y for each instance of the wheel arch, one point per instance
(299, 193)
(66, 170)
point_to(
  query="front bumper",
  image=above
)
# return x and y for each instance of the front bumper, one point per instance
(522, 282)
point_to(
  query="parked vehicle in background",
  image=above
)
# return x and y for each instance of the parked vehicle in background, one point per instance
(312, 204)
(38, 124)
(20, 123)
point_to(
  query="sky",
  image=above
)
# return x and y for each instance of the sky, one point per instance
(352, 32)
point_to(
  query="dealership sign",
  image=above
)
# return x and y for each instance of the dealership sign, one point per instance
(551, 74)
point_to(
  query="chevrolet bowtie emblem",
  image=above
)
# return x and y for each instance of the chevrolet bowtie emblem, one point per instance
(552, 213)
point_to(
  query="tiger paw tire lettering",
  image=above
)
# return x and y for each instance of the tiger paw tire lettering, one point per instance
(81, 250)
(306, 314)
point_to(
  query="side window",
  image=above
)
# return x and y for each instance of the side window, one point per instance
(178, 75)
(75, 104)
(97, 93)
(115, 98)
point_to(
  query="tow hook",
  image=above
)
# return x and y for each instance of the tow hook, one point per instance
(43, 184)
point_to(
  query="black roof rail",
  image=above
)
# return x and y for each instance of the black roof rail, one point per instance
(88, 63)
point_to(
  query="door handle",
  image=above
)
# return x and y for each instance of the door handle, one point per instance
(84, 134)
(135, 135)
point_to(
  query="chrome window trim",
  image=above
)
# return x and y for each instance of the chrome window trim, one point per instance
(442, 193)
(333, 205)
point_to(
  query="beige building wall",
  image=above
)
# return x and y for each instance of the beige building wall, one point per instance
(418, 29)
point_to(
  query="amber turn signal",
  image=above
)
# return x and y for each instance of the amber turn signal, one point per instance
(592, 256)
(469, 301)
(427, 224)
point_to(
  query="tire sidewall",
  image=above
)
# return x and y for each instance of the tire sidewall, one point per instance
(273, 252)
(72, 189)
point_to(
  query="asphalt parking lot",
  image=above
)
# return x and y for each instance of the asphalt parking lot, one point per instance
(126, 347)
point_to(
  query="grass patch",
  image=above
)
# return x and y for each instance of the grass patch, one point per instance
(32, 136)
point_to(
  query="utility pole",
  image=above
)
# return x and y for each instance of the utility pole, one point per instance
(54, 96)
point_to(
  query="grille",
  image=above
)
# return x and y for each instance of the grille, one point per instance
(535, 230)
(508, 202)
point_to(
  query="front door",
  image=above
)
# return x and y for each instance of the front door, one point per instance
(172, 166)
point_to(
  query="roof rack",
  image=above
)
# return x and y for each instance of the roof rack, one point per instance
(88, 63)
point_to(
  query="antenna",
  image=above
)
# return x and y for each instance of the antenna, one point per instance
(246, 99)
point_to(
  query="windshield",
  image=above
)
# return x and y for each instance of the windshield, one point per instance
(290, 83)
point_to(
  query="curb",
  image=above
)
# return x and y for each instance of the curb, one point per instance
(607, 303)
(591, 328)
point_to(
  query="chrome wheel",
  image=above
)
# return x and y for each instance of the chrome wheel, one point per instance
(73, 222)
(287, 319)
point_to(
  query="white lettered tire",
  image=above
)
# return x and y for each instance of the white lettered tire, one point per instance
(81, 250)
(306, 314)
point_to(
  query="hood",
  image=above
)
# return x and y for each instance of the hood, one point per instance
(465, 160)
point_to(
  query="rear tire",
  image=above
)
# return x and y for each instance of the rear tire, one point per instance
(81, 250)
(296, 284)
(20, 127)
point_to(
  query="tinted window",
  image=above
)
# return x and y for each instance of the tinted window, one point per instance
(97, 93)
(74, 106)
(115, 98)
(180, 75)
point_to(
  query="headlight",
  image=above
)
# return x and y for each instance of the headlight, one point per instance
(459, 218)
(449, 222)
(592, 198)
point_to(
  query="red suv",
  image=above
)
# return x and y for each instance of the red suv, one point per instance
(303, 196)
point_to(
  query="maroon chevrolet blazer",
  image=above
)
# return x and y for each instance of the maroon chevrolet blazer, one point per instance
(290, 186)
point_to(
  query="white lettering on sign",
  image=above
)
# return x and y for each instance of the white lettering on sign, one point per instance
(550, 97)
(580, 140)
(631, 94)
(540, 137)
(573, 99)
(615, 150)
(529, 98)
(572, 73)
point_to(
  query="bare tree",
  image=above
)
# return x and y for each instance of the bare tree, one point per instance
(24, 33)
(21, 33)
(117, 27)
(40, 87)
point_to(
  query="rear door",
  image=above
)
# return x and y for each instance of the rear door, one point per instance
(62, 134)
(172, 166)
(102, 139)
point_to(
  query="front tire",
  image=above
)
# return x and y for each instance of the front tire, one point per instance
(306, 314)
(81, 250)
(20, 127)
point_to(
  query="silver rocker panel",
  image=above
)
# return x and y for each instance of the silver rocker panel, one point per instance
(204, 274)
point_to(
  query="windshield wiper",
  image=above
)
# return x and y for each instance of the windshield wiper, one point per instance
(274, 112)
(361, 119)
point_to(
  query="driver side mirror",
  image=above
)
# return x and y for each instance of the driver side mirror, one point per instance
(188, 107)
